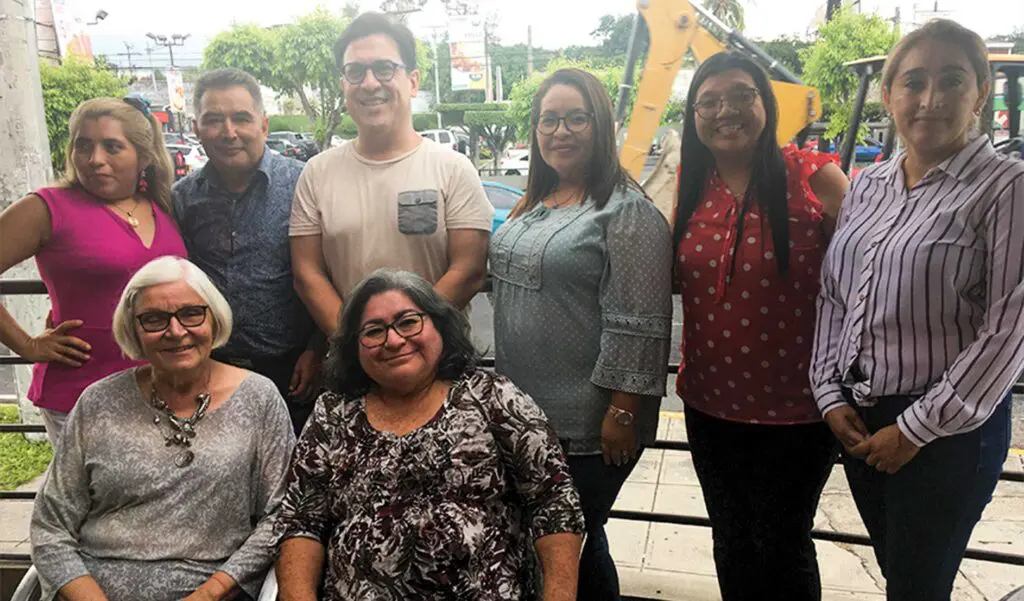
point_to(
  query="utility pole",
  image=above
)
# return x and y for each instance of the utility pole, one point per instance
(152, 71)
(131, 69)
(529, 51)
(25, 160)
(437, 79)
(488, 88)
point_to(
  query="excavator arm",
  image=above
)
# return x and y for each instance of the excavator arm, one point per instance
(676, 27)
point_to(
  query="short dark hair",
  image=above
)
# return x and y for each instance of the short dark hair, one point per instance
(219, 79)
(368, 24)
(343, 372)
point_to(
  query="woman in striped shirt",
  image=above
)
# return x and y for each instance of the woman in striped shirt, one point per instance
(920, 335)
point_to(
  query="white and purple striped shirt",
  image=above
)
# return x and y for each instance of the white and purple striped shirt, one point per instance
(923, 292)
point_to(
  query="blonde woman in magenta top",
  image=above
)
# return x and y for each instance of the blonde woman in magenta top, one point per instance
(108, 217)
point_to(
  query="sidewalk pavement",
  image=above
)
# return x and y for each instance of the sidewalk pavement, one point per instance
(664, 561)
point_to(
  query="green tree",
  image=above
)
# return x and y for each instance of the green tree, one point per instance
(64, 88)
(295, 59)
(786, 50)
(245, 46)
(497, 128)
(849, 36)
(729, 12)
(613, 35)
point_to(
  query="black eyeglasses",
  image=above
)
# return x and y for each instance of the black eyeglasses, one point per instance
(740, 99)
(575, 122)
(191, 316)
(383, 71)
(376, 334)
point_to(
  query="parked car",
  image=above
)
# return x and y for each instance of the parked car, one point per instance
(503, 198)
(308, 147)
(516, 162)
(337, 141)
(173, 137)
(195, 156)
(868, 152)
(286, 148)
(446, 138)
(308, 136)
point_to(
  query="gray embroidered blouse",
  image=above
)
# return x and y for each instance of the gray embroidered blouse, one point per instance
(115, 506)
(583, 307)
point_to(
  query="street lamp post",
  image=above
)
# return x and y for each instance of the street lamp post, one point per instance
(176, 39)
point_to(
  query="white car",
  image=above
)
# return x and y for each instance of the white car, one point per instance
(444, 137)
(195, 157)
(516, 162)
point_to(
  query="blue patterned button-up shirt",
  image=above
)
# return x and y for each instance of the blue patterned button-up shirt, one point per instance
(241, 242)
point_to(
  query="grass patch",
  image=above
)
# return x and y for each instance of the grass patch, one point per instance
(20, 460)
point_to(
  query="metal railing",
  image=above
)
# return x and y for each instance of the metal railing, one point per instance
(36, 287)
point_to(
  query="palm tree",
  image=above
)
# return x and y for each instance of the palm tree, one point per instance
(729, 12)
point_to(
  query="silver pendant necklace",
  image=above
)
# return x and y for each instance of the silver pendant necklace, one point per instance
(182, 429)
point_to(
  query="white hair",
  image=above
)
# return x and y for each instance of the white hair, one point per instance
(165, 270)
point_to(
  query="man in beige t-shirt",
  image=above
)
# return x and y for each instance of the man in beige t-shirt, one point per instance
(389, 198)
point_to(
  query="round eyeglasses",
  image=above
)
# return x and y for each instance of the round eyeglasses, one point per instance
(740, 99)
(375, 334)
(383, 71)
(575, 122)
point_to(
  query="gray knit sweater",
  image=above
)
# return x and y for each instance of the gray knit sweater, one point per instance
(116, 507)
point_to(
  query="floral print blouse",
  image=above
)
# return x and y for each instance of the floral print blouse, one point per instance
(447, 512)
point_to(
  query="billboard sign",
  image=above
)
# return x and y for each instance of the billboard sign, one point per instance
(467, 53)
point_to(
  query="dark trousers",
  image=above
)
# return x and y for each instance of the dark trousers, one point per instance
(279, 370)
(920, 518)
(598, 485)
(761, 485)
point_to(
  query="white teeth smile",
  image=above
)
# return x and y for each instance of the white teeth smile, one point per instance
(731, 129)
(179, 349)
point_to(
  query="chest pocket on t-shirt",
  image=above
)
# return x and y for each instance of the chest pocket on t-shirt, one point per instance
(417, 212)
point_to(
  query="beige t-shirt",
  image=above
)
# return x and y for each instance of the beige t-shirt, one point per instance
(393, 213)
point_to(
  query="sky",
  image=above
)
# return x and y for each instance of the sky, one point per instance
(555, 23)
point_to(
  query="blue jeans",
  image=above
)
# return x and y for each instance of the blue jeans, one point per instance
(920, 518)
(598, 485)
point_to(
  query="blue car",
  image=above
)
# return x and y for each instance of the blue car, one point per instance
(502, 198)
(865, 153)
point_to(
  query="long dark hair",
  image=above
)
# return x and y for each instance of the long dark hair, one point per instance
(343, 372)
(768, 171)
(604, 173)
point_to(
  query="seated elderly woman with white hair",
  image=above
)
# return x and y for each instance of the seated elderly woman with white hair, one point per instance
(163, 483)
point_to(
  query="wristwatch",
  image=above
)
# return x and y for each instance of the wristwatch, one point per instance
(622, 417)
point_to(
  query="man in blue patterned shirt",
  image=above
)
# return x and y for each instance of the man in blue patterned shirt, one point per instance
(233, 215)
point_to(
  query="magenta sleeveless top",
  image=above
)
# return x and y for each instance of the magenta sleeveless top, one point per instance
(91, 255)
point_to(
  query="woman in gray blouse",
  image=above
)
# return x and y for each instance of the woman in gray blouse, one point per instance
(583, 302)
(161, 486)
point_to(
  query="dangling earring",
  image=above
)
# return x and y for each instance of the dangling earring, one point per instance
(143, 186)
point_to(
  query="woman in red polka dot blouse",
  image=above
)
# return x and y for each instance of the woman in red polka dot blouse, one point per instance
(751, 227)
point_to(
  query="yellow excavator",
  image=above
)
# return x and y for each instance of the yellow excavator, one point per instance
(675, 28)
